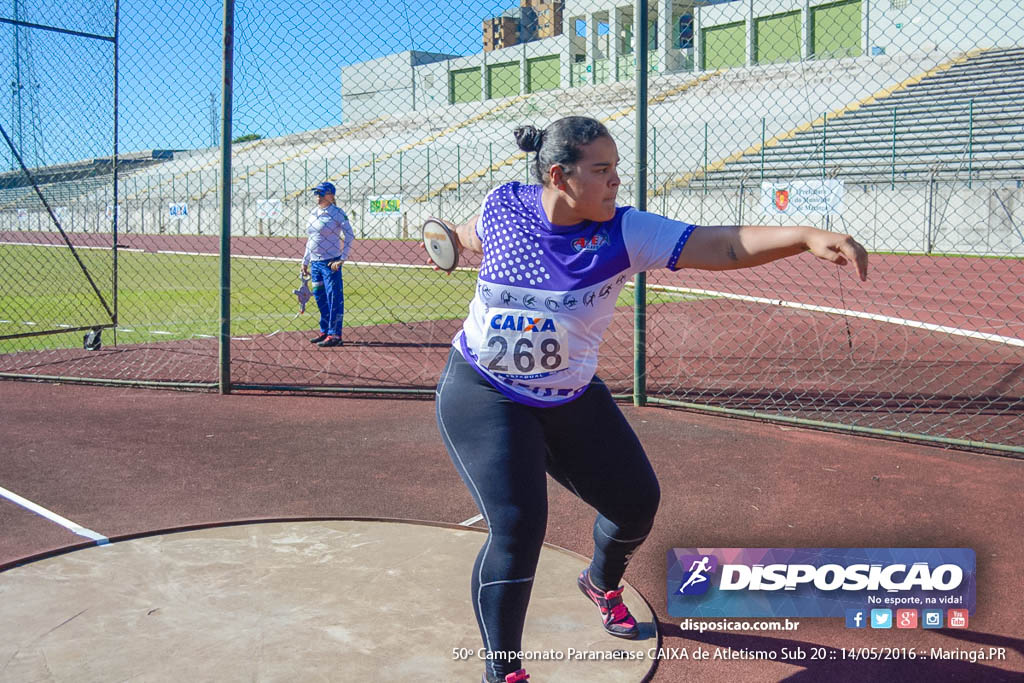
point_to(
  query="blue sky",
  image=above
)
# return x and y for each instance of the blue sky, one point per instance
(288, 56)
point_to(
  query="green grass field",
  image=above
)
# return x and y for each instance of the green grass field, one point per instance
(163, 297)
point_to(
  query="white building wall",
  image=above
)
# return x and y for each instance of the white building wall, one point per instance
(383, 86)
(922, 25)
(946, 26)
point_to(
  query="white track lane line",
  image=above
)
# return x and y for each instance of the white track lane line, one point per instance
(54, 517)
(471, 521)
(292, 258)
(77, 246)
(971, 334)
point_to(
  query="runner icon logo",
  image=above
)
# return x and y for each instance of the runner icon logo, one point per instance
(696, 581)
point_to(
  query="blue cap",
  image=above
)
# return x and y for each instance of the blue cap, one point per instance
(323, 188)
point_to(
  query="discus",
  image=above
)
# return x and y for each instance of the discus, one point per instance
(441, 244)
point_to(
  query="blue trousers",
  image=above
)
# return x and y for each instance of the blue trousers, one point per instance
(329, 293)
(504, 451)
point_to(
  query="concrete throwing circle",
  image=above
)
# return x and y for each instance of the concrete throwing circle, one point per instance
(314, 601)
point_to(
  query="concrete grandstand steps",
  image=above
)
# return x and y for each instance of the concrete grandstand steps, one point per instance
(812, 167)
(999, 113)
(95, 188)
(967, 114)
(814, 158)
(876, 176)
(985, 62)
(910, 153)
(1001, 56)
(950, 104)
(950, 110)
(923, 157)
(903, 146)
(932, 134)
(960, 133)
(957, 96)
(1002, 76)
(958, 92)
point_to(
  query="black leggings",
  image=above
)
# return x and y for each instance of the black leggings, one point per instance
(502, 450)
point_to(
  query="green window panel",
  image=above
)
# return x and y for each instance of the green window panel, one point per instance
(777, 38)
(601, 69)
(579, 74)
(543, 73)
(835, 29)
(627, 67)
(725, 46)
(652, 36)
(503, 80)
(464, 86)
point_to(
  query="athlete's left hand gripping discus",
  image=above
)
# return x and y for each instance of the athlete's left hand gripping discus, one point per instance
(441, 244)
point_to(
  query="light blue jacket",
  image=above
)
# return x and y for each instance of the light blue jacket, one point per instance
(325, 227)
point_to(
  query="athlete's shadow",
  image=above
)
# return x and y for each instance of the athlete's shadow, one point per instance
(832, 666)
(646, 630)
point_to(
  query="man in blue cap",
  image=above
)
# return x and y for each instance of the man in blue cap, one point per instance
(324, 255)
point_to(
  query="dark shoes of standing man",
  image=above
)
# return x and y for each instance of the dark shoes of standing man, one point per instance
(325, 340)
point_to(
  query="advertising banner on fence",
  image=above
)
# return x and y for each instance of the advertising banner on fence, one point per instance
(817, 582)
(178, 211)
(268, 209)
(803, 197)
(384, 204)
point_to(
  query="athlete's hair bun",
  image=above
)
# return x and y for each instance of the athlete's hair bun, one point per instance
(528, 138)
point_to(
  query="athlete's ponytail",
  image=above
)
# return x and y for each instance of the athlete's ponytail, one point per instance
(559, 144)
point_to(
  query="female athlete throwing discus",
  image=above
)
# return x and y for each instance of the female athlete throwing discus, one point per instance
(518, 397)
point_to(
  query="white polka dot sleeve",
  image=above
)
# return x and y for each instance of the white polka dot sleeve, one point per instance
(479, 227)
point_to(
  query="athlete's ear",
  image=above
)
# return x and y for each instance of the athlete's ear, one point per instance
(558, 177)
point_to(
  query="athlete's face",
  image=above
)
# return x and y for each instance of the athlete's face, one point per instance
(592, 186)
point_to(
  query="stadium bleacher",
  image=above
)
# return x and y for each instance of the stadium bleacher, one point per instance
(961, 120)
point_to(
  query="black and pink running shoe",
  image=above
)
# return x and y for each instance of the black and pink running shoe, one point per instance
(615, 615)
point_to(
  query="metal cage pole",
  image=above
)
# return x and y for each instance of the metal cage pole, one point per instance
(225, 199)
(640, 201)
(115, 219)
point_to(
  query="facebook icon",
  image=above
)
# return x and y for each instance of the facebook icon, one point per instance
(856, 618)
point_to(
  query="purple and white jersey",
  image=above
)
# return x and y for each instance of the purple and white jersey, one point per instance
(546, 293)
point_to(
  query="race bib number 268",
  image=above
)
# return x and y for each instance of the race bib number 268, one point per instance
(519, 344)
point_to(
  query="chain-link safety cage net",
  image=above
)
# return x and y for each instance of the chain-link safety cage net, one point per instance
(56, 204)
(897, 122)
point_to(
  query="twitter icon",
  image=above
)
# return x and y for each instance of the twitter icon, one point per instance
(881, 618)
